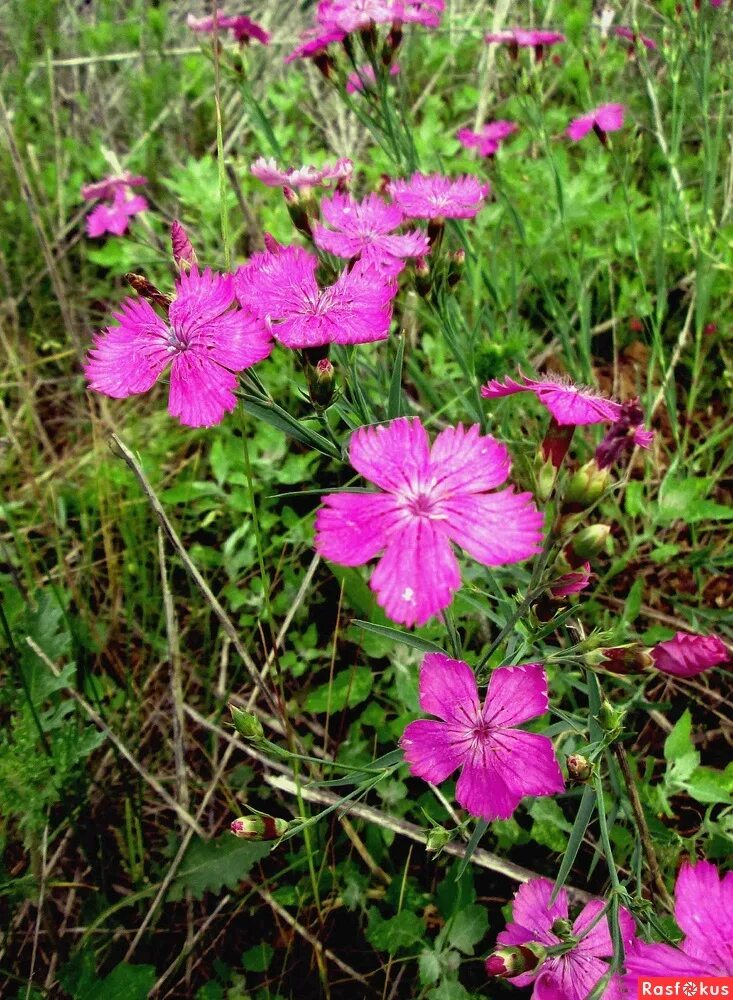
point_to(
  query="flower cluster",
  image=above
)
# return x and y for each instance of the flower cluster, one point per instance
(241, 27)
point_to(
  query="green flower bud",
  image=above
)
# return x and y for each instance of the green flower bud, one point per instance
(259, 827)
(505, 963)
(562, 927)
(321, 380)
(579, 767)
(436, 839)
(585, 487)
(587, 543)
(546, 474)
(247, 725)
(610, 718)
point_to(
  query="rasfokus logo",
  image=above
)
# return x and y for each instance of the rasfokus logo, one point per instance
(685, 986)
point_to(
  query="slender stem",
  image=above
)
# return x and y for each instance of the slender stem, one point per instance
(23, 682)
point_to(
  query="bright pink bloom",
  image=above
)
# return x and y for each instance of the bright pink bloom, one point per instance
(606, 118)
(267, 171)
(114, 217)
(487, 141)
(716, 3)
(572, 583)
(572, 975)
(704, 912)
(630, 35)
(356, 15)
(241, 27)
(688, 654)
(282, 289)
(499, 763)
(356, 81)
(109, 187)
(433, 196)
(569, 404)
(204, 341)
(520, 38)
(366, 229)
(431, 497)
(314, 43)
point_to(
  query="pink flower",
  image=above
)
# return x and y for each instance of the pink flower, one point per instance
(356, 81)
(519, 38)
(687, 654)
(572, 583)
(606, 118)
(267, 171)
(114, 217)
(314, 44)
(282, 289)
(624, 435)
(499, 763)
(569, 404)
(109, 187)
(630, 35)
(704, 912)
(433, 196)
(357, 15)
(487, 141)
(431, 497)
(366, 229)
(204, 341)
(572, 975)
(241, 27)
(716, 3)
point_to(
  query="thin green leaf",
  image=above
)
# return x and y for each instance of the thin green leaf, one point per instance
(424, 645)
(583, 818)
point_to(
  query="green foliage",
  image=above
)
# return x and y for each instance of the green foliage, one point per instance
(213, 865)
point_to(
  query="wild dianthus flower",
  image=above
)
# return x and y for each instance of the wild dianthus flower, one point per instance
(604, 119)
(282, 289)
(314, 44)
(431, 498)
(113, 216)
(204, 341)
(433, 196)
(573, 974)
(625, 434)
(305, 177)
(621, 31)
(241, 27)
(499, 763)
(364, 78)
(688, 654)
(357, 15)
(521, 38)
(569, 404)
(703, 911)
(487, 141)
(366, 229)
(109, 187)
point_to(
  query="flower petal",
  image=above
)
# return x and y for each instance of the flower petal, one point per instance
(515, 695)
(200, 298)
(525, 762)
(448, 689)
(494, 528)
(466, 461)
(201, 391)
(597, 942)
(429, 750)
(482, 791)
(704, 910)
(646, 959)
(392, 455)
(533, 915)
(127, 359)
(351, 528)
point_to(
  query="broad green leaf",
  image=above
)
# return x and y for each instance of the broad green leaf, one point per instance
(258, 959)
(401, 931)
(550, 827)
(679, 741)
(686, 500)
(125, 982)
(212, 865)
(429, 968)
(469, 926)
(349, 688)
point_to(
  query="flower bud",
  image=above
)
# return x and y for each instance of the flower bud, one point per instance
(321, 380)
(585, 487)
(456, 263)
(423, 283)
(630, 659)
(572, 582)
(297, 206)
(579, 767)
(562, 927)
(436, 840)
(546, 474)
(247, 725)
(610, 718)
(587, 543)
(504, 963)
(259, 827)
(557, 441)
(184, 255)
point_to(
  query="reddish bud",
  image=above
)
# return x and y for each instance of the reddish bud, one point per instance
(184, 255)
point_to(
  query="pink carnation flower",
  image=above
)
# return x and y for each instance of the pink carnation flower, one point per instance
(523, 38)
(282, 289)
(366, 229)
(606, 118)
(204, 341)
(109, 187)
(688, 654)
(569, 404)
(704, 912)
(632, 36)
(572, 975)
(267, 171)
(314, 43)
(625, 434)
(356, 81)
(487, 141)
(357, 15)
(433, 196)
(114, 217)
(499, 763)
(241, 27)
(431, 497)
(572, 583)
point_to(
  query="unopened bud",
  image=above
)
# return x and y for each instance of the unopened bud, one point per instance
(259, 827)
(507, 962)
(572, 582)
(436, 839)
(184, 255)
(247, 725)
(562, 927)
(557, 441)
(579, 767)
(585, 487)
(435, 232)
(456, 263)
(546, 474)
(587, 543)
(630, 659)
(423, 283)
(610, 718)
(297, 206)
(321, 381)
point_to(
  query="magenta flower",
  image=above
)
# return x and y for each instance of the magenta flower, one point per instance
(716, 3)
(314, 44)
(204, 341)
(632, 36)
(114, 217)
(241, 27)
(688, 654)
(357, 81)
(573, 582)
(267, 171)
(625, 434)
(433, 196)
(366, 229)
(704, 912)
(109, 187)
(569, 404)
(282, 289)
(357, 15)
(487, 141)
(604, 119)
(573, 974)
(431, 497)
(520, 38)
(499, 763)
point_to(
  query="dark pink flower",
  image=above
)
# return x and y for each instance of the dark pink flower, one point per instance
(572, 975)
(688, 654)
(523, 38)
(357, 15)
(604, 119)
(632, 36)
(499, 763)
(282, 289)
(704, 912)
(204, 341)
(625, 434)
(114, 217)
(431, 497)
(569, 404)
(109, 187)
(241, 27)
(433, 196)
(314, 43)
(487, 141)
(366, 229)
(716, 3)
(572, 583)
(356, 81)
(267, 171)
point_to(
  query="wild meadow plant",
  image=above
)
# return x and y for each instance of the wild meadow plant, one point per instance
(446, 519)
